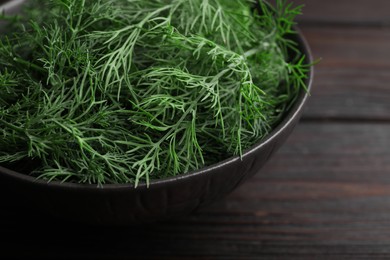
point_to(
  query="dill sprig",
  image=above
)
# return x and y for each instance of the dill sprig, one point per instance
(127, 91)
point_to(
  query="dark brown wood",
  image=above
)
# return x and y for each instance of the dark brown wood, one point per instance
(326, 191)
(324, 195)
(352, 79)
(374, 12)
(363, 12)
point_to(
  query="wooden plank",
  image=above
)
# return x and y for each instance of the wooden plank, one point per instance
(374, 12)
(343, 46)
(352, 79)
(326, 192)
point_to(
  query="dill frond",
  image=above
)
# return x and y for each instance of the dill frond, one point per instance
(127, 91)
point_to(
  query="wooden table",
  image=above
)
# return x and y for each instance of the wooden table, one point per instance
(324, 195)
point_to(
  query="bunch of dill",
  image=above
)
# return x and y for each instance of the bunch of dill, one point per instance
(126, 91)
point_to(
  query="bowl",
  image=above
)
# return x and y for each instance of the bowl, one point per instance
(123, 204)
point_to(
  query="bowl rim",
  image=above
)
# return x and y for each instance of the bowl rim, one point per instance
(292, 115)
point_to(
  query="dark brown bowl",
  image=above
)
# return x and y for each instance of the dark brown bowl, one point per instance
(120, 204)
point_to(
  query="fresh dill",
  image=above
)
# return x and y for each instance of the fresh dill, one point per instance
(127, 91)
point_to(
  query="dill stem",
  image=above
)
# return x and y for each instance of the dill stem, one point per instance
(29, 64)
(13, 127)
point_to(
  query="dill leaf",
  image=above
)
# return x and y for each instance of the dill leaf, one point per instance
(128, 91)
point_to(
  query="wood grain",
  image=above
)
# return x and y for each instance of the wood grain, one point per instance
(324, 195)
(336, 12)
(326, 190)
(352, 80)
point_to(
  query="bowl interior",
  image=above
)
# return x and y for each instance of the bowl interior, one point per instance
(110, 203)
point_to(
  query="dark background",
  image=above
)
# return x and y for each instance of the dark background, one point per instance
(324, 195)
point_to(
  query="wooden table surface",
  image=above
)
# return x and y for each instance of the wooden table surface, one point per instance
(324, 195)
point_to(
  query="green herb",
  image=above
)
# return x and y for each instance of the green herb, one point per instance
(127, 91)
